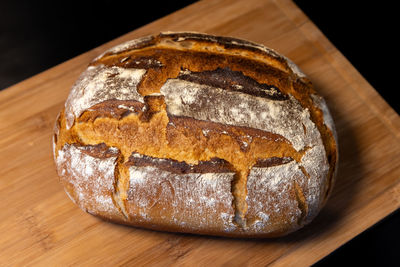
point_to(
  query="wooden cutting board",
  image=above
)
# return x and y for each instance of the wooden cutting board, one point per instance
(39, 225)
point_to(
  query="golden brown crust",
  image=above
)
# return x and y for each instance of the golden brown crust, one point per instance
(182, 118)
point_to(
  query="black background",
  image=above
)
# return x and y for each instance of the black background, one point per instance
(37, 35)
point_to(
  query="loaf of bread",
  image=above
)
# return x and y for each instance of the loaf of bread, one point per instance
(194, 133)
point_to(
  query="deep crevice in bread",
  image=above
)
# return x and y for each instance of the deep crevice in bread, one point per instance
(227, 79)
(303, 170)
(214, 165)
(239, 192)
(120, 186)
(273, 161)
(301, 91)
(301, 202)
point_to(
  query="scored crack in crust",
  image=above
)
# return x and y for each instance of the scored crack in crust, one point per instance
(196, 133)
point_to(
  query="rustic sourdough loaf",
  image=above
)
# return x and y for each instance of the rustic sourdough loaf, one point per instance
(195, 133)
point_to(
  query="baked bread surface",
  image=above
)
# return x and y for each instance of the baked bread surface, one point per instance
(190, 132)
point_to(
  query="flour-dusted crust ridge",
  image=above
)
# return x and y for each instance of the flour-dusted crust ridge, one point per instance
(196, 133)
(98, 84)
(89, 180)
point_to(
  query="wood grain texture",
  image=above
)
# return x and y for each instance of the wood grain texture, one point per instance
(39, 225)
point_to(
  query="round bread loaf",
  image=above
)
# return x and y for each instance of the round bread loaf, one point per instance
(195, 133)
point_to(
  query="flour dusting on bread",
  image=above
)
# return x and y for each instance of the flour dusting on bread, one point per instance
(203, 102)
(100, 83)
(90, 178)
(156, 194)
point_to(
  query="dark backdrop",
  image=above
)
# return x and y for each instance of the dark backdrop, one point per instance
(36, 35)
